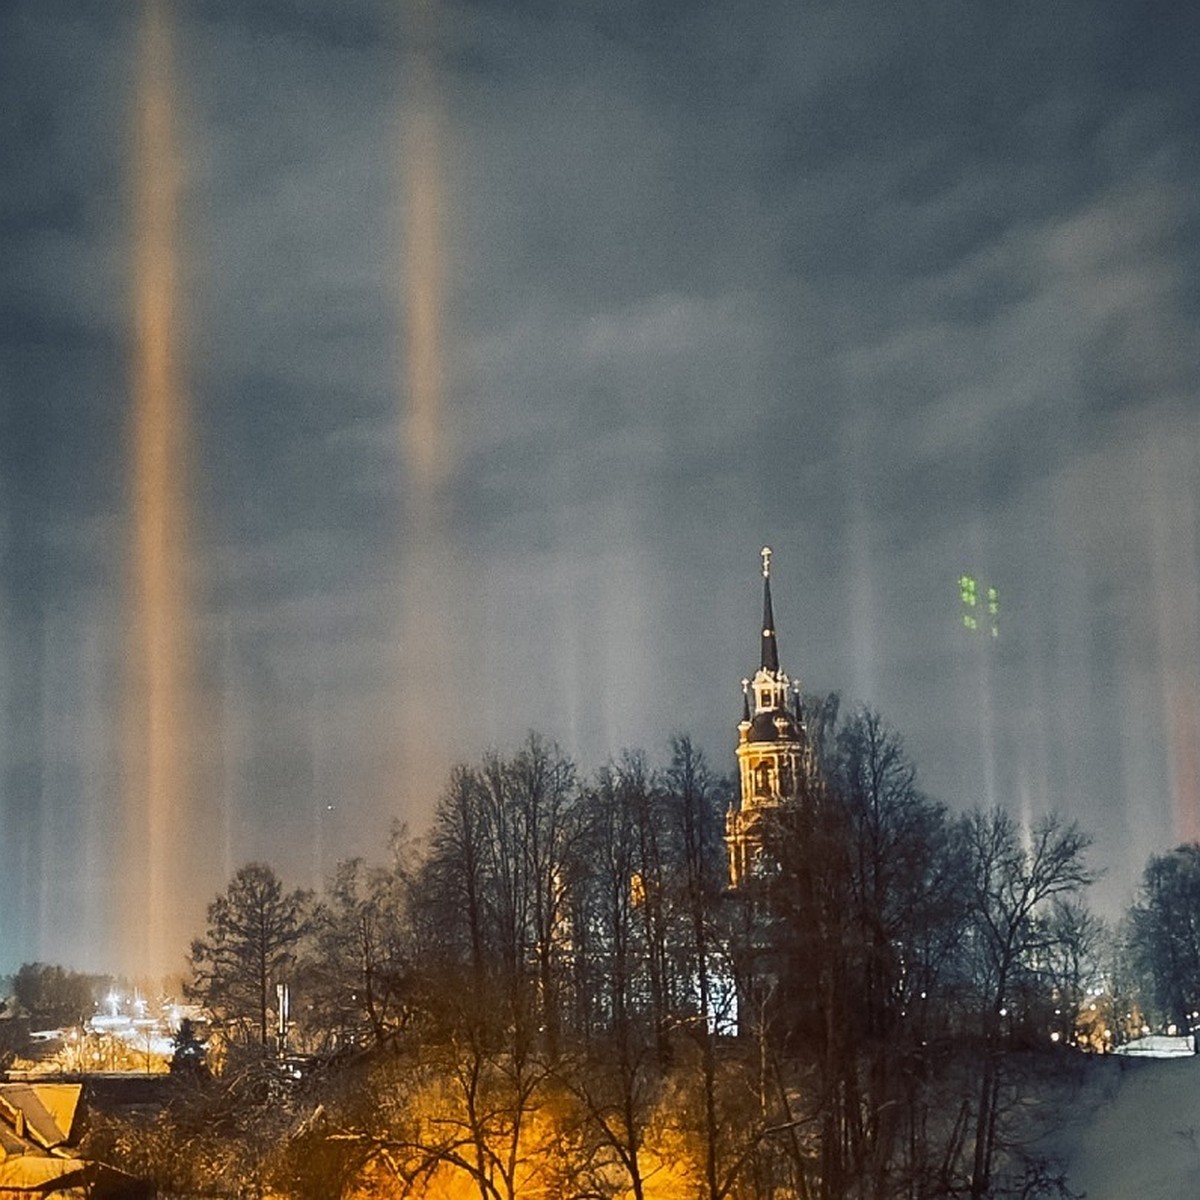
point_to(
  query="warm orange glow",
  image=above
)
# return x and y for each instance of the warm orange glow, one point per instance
(157, 690)
(526, 1146)
(423, 282)
(527, 1150)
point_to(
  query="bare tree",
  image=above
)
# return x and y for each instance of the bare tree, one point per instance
(493, 891)
(1077, 940)
(1013, 882)
(359, 976)
(691, 803)
(537, 790)
(617, 1074)
(451, 895)
(855, 936)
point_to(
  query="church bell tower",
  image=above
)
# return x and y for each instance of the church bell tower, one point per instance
(775, 761)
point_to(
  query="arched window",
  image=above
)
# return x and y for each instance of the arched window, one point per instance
(785, 778)
(762, 779)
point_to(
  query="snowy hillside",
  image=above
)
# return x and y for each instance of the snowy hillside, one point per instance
(1137, 1136)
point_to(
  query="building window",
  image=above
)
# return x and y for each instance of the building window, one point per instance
(762, 779)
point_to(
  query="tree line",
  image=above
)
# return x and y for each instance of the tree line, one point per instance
(556, 993)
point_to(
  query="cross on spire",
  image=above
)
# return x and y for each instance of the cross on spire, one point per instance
(766, 557)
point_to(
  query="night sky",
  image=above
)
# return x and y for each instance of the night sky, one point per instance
(905, 291)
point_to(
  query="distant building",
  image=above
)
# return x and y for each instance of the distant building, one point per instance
(777, 767)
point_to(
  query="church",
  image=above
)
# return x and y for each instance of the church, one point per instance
(777, 767)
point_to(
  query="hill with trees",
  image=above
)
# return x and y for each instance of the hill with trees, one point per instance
(556, 993)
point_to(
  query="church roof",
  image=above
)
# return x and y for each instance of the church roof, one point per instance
(774, 725)
(769, 718)
(770, 647)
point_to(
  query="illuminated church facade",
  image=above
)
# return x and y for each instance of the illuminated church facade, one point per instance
(776, 764)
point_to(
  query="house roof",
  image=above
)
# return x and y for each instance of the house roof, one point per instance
(32, 1172)
(42, 1112)
(36, 1122)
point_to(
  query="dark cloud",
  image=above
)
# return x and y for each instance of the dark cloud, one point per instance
(905, 291)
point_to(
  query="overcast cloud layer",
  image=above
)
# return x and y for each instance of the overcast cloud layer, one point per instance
(905, 291)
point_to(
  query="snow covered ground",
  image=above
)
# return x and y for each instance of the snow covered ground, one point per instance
(1136, 1132)
(1158, 1045)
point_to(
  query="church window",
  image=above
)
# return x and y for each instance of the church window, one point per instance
(762, 779)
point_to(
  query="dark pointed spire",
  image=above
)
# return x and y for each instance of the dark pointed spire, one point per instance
(770, 648)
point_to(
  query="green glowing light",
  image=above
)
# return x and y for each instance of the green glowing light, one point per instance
(969, 592)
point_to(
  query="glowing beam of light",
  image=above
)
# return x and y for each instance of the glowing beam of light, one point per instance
(423, 275)
(1174, 571)
(426, 647)
(158, 660)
